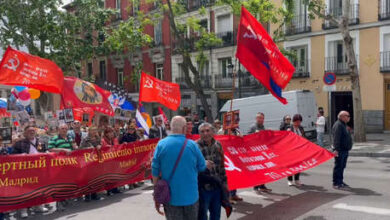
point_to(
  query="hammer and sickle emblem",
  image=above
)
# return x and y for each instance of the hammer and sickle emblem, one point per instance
(12, 63)
(148, 84)
(229, 165)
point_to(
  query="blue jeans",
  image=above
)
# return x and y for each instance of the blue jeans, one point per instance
(1, 216)
(210, 200)
(320, 138)
(340, 163)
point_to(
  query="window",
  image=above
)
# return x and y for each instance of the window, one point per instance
(160, 71)
(204, 23)
(102, 68)
(300, 62)
(223, 66)
(136, 4)
(224, 24)
(204, 71)
(118, 8)
(158, 33)
(119, 72)
(101, 38)
(180, 70)
(89, 69)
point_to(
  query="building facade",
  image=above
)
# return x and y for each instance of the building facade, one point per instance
(119, 69)
(319, 48)
(216, 79)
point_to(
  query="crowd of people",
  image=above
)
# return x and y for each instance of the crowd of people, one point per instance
(199, 186)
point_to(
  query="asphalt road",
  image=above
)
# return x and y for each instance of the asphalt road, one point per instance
(369, 198)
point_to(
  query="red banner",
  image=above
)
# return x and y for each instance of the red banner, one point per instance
(268, 156)
(261, 56)
(155, 90)
(78, 93)
(28, 180)
(22, 69)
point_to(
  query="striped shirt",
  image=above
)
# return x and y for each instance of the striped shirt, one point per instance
(59, 142)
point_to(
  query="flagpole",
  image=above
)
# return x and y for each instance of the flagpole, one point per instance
(233, 90)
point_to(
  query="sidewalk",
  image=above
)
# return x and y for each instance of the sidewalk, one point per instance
(377, 145)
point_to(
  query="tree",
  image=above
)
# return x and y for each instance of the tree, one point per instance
(317, 8)
(200, 38)
(50, 32)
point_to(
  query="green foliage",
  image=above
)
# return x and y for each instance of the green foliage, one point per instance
(50, 32)
(128, 35)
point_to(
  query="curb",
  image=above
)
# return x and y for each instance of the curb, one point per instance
(368, 154)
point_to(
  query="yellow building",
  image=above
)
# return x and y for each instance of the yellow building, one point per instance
(319, 48)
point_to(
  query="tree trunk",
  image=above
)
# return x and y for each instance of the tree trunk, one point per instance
(359, 127)
(188, 65)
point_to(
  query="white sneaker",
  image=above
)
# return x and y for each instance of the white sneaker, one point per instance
(290, 183)
(41, 209)
(23, 213)
(298, 183)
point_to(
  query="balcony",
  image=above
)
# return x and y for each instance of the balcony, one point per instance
(301, 70)
(385, 62)
(228, 38)
(299, 24)
(384, 10)
(193, 5)
(182, 82)
(247, 80)
(223, 82)
(338, 12)
(337, 65)
(206, 81)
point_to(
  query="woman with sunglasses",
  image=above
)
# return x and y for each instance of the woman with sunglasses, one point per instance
(286, 123)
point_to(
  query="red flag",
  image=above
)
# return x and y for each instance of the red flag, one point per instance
(261, 57)
(162, 113)
(267, 156)
(155, 90)
(22, 69)
(78, 93)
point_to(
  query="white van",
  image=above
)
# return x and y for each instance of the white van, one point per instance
(302, 102)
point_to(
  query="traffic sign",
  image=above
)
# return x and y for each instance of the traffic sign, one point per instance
(329, 78)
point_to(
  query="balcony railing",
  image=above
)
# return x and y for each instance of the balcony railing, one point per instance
(385, 62)
(337, 65)
(182, 82)
(193, 5)
(223, 82)
(247, 80)
(228, 38)
(299, 24)
(301, 70)
(384, 10)
(206, 81)
(338, 12)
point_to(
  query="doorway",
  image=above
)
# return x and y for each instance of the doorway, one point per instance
(341, 101)
(387, 104)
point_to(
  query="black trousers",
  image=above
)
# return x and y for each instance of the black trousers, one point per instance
(296, 177)
(340, 162)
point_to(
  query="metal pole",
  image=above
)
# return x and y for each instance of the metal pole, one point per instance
(239, 80)
(330, 117)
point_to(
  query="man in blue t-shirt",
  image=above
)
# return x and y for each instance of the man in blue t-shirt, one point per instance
(184, 183)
